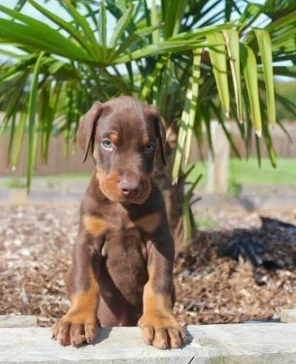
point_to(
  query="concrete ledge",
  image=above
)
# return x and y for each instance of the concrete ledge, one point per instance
(257, 343)
(17, 321)
(288, 315)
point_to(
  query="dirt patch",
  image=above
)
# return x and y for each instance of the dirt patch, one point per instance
(36, 246)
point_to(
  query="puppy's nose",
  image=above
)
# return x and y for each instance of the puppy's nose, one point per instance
(128, 186)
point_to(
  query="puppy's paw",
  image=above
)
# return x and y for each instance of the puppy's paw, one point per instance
(71, 330)
(161, 329)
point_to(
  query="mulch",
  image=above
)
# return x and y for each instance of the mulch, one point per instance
(211, 286)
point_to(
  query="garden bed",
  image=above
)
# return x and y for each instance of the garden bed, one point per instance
(36, 246)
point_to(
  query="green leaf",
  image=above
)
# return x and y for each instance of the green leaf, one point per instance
(18, 140)
(121, 25)
(89, 33)
(12, 106)
(188, 221)
(187, 118)
(20, 67)
(198, 132)
(193, 186)
(267, 136)
(228, 135)
(135, 37)
(194, 85)
(265, 49)
(219, 63)
(32, 132)
(258, 149)
(269, 146)
(249, 65)
(19, 5)
(161, 48)
(65, 26)
(250, 14)
(282, 22)
(103, 26)
(154, 20)
(44, 113)
(289, 71)
(49, 103)
(12, 135)
(40, 39)
(207, 119)
(202, 32)
(232, 44)
(172, 12)
(150, 80)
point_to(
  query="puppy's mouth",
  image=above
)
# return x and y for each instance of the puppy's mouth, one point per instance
(137, 200)
(115, 195)
(111, 189)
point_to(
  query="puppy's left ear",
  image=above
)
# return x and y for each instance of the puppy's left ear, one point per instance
(160, 132)
(87, 128)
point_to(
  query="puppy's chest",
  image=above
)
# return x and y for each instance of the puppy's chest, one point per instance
(124, 245)
(126, 237)
(116, 219)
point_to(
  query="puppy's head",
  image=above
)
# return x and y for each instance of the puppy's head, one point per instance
(123, 135)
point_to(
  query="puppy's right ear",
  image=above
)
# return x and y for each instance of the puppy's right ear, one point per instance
(87, 128)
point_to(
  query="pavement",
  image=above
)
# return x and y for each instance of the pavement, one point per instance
(254, 343)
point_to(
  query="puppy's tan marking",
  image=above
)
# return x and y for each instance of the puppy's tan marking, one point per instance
(84, 304)
(151, 299)
(159, 326)
(145, 139)
(109, 184)
(80, 324)
(100, 173)
(94, 225)
(114, 137)
(150, 222)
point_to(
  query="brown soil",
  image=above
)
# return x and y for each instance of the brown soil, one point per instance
(35, 252)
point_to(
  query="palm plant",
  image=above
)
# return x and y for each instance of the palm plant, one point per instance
(178, 55)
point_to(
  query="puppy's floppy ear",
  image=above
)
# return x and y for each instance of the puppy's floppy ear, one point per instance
(87, 128)
(160, 132)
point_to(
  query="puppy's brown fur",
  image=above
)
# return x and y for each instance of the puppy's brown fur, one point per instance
(122, 271)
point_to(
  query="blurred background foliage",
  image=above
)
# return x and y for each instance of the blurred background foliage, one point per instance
(196, 60)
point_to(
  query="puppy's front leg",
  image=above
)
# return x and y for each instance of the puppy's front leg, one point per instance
(80, 324)
(159, 326)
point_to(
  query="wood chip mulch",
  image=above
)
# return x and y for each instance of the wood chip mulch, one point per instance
(211, 286)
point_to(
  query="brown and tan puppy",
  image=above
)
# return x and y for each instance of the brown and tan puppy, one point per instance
(122, 271)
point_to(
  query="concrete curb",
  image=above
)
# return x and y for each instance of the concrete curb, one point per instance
(17, 321)
(257, 343)
(288, 315)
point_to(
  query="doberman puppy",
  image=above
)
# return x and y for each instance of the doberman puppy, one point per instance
(122, 271)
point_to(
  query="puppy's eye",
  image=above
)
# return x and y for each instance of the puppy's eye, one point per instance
(149, 148)
(107, 143)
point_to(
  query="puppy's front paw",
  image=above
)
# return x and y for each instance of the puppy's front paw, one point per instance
(75, 330)
(161, 329)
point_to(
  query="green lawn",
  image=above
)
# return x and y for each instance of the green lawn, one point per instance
(240, 172)
(248, 172)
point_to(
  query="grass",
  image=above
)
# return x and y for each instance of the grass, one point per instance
(67, 177)
(15, 182)
(240, 172)
(248, 172)
(48, 181)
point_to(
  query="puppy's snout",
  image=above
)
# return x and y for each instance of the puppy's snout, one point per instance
(129, 186)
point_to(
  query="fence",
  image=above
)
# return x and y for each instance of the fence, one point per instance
(59, 163)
